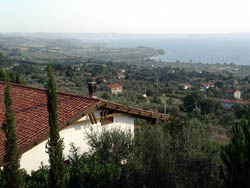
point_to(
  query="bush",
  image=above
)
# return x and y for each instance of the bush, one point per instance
(38, 179)
(112, 146)
(90, 171)
(106, 96)
(2, 182)
(176, 154)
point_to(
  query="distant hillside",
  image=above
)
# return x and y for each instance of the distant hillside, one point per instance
(5, 61)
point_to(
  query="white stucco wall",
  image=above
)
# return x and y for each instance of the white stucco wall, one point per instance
(31, 160)
(237, 94)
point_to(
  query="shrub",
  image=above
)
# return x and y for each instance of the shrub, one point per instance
(112, 146)
(2, 181)
(39, 178)
(90, 171)
(176, 154)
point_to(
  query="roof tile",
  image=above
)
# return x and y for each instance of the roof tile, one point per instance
(114, 85)
(30, 106)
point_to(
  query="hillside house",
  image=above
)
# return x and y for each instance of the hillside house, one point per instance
(232, 93)
(185, 86)
(207, 85)
(114, 88)
(77, 115)
(232, 82)
(228, 103)
(120, 75)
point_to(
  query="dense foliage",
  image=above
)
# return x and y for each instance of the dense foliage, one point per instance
(13, 76)
(236, 157)
(161, 156)
(194, 100)
(5, 61)
(38, 179)
(87, 171)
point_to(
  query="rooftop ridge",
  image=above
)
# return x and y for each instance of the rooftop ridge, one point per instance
(114, 85)
(44, 89)
(134, 108)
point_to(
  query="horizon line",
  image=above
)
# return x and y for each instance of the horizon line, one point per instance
(128, 33)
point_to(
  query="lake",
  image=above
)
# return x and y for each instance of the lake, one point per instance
(210, 48)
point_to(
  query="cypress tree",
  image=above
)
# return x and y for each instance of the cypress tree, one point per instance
(55, 143)
(236, 157)
(12, 173)
(1, 74)
(18, 80)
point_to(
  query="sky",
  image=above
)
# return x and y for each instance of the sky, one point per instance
(125, 16)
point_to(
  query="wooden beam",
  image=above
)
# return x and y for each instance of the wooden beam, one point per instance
(91, 118)
(106, 113)
(94, 118)
(97, 119)
(113, 115)
(81, 114)
(102, 114)
(135, 111)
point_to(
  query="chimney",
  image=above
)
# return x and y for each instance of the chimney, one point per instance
(92, 89)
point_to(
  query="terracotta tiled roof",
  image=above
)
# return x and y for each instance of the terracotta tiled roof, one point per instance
(30, 106)
(232, 91)
(114, 85)
(208, 84)
(235, 101)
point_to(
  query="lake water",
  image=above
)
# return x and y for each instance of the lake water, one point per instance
(233, 48)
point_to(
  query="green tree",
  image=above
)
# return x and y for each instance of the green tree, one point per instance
(55, 143)
(18, 80)
(219, 84)
(11, 171)
(1, 74)
(176, 154)
(106, 96)
(149, 92)
(190, 101)
(207, 106)
(111, 146)
(38, 178)
(236, 157)
(92, 171)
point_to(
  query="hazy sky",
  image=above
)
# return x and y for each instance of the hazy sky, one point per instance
(125, 16)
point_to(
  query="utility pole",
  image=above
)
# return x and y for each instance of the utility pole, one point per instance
(165, 108)
(157, 86)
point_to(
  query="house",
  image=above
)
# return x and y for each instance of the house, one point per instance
(77, 115)
(114, 88)
(207, 85)
(233, 82)
(232, 93)
(185, 86)
(199, 71)
(120, 75)
(228, 103)
(76, 68)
